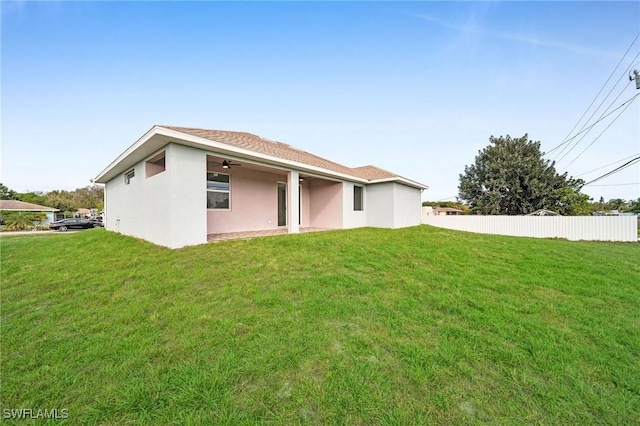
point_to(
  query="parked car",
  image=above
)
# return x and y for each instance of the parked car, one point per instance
(97, 222)
(64, 224)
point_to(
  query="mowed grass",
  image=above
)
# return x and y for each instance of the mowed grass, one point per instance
(370, 326)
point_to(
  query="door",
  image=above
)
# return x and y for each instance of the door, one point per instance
(282, 204)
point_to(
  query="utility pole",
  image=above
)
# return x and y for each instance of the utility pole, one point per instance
(636, 73)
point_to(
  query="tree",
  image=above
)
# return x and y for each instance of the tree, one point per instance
(6, 193)
(34, 197)
(452, 204)
(510, 177)
(616, 204)
(572, 202)
(634, 206)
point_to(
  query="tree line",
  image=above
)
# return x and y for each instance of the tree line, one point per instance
(89, 197)
(619, 204)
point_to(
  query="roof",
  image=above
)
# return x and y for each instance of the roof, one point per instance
(243, 144)
(264, 146)
(447, 209)
(373, 172)
(21, 205)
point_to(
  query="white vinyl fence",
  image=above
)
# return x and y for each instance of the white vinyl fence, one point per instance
(593, 228)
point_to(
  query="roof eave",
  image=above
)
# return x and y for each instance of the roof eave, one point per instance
(400, 179)
(137, 144)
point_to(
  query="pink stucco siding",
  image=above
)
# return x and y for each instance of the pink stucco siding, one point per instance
(254, 202)
(325, 204)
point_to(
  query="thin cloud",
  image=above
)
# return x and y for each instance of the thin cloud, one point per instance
(572, 48)
(471, 27)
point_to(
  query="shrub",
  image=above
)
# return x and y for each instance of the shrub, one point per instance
(21, 221)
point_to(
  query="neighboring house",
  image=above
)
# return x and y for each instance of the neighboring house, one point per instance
(83, 213)
(21, 206)
(428, 211)
(447, 211)
(194, 182)
(614, 213)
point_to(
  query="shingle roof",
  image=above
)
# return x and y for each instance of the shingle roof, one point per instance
(373, 172)
(21, 205)
(259, 144)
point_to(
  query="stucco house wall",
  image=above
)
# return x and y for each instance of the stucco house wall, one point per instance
(253, 202)
(380, 205)
(325, 204)
(407, 203)
(166, 208)
(352, 218)
(393, 205)
(140, 206)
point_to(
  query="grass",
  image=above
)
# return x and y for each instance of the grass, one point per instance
(368, 326)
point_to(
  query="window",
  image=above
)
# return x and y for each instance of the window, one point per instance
(128, 177)
(218, 191)
(155, 165)
(357, 198)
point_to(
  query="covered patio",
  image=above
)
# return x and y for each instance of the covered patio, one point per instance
(245, 235)
(247, 199)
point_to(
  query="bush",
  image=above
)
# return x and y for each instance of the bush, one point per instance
(21, 221)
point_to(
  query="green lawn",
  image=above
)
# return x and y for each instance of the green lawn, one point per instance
(413, 326)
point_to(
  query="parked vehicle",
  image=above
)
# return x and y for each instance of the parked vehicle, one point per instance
(97, 222)
(63, 225)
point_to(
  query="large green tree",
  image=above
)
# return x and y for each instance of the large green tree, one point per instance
(510, 177)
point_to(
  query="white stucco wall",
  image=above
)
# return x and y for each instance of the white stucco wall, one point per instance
(168, 208)
(380, 205)
(407, 206)
(351, 218)
(188, 203)
(393, 205)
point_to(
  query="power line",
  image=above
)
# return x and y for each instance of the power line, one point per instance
(607, 165)
(575, 144)
(598, 137)
(619, 184)
(622, 76)
(614, 171)
(599, 120)
(601, 89)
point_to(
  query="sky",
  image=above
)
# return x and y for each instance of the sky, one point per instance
(416, 88)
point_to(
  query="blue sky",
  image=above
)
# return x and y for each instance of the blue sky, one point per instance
(413, 87)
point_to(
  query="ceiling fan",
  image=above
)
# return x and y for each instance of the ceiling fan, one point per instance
(225, 164)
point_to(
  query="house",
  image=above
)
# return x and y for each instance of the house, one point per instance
(447, 211)
(193, 183)
(83, 213)
(428, 211)
(21, 206)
